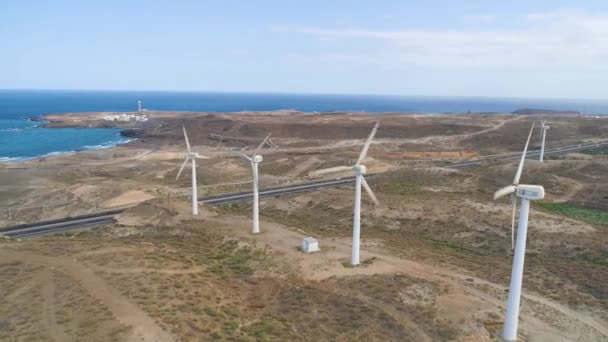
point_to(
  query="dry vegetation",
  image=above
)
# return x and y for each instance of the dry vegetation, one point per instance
(437, 250)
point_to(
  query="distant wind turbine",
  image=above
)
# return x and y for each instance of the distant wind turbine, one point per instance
(543, 132)
(191, 156)
(526, 193)
(360, 170)
(255, 160)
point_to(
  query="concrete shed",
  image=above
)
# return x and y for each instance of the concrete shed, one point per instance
(310, 245)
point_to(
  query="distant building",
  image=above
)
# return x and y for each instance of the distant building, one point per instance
(126, 117)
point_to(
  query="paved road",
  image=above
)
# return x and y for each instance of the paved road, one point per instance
(83, 221)
(517, 155)
(59, 225)
(246, 196)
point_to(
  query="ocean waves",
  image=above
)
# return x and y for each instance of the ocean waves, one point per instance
(23, 140)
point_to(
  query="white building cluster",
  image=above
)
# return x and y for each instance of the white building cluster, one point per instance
(126, 117)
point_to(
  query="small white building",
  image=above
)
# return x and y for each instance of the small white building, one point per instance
(126, 117)
(310, 245)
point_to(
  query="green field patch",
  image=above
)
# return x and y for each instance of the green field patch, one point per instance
(593, 257)
(602, 151)
(576, 212)
(450, 247)
(400, 187)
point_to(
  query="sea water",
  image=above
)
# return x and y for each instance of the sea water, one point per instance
(21, 138)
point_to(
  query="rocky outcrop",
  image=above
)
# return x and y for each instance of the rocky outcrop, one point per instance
(132, 133)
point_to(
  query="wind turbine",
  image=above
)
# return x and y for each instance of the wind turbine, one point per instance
(526, 193)
(543, 132)
(360, 170)
(255, 160)
(515, 183)
(191, 156)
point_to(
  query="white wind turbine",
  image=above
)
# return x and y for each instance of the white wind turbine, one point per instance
(543, 132)
(360, 170)
(526, 193)
(256, 159)
(191, 156)
(515, 183)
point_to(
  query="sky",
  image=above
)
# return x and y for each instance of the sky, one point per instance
(546, 49)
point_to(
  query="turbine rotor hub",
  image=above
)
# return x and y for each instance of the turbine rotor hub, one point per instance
(257, 158)
(360, 169)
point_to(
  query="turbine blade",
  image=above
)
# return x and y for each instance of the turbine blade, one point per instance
(182, 168)
(367, 143)
(523, 158)
(514, 210)
(186, 137)
(262, 144)
(245, 156)
(369, 191)
(504, 191)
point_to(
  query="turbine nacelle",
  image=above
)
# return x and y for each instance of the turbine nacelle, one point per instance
(526, 191)
(543, 125)
(360, 169)
(530, 192)
(257, 158)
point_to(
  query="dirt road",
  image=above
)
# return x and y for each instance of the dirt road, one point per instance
(144, 327)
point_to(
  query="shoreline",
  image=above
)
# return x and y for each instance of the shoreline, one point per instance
(65, 153)
(43, 122)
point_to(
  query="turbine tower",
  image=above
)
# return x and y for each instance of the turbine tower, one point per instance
(255, 160)
(360, 170)
(543, 132)
(526, 193)
(191, 156)
(139, 106)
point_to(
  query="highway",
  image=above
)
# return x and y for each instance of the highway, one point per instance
(83, 221)
(245, 196)
(59, 225)
(517, 155)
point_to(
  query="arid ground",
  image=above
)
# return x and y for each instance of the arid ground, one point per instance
(436, 251)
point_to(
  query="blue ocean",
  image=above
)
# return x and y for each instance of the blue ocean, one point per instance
(20, 138)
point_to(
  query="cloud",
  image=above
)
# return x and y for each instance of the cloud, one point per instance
(550, 40)
(480, 18)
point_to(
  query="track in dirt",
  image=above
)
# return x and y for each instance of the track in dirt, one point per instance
(144, 327)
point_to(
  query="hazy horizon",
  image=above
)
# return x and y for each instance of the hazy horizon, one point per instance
(194, 91)
(545, 49)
